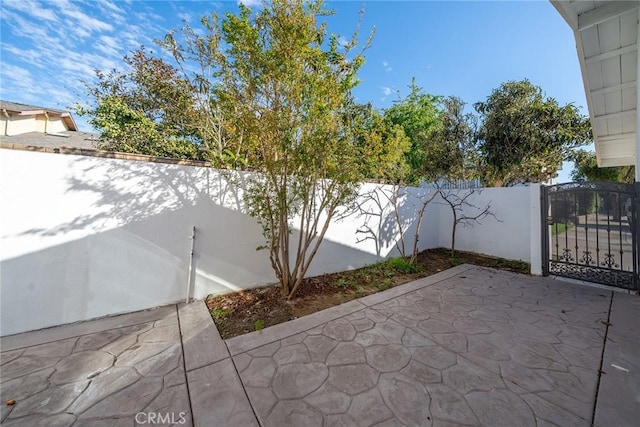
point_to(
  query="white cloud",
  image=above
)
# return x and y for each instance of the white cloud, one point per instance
(109, 46)
(16, 72)
(386, 66)
(19, 82)
(115, 13)
(112, 42)
(185, 16)
(386, 90)
(251, 3)
(69, 64)
(32, 8)
(23, 27)
(84, 24)
(50, 48)
(105, 4)
(29, 56)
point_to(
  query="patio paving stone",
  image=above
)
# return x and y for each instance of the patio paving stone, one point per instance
(468, 346)
(619, 393)
(217, 397)
(479, 347)
(103, 377)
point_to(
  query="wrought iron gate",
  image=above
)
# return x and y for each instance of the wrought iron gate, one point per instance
(590, 232)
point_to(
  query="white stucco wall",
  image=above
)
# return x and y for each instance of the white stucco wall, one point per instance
(40, 124)
(514, 232)
(16, 124)
(84, 237)
(20, 124)
(53, 124)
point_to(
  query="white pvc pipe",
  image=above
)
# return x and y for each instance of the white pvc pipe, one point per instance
(193, 243)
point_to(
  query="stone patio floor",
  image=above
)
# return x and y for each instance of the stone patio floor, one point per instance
(467, 346)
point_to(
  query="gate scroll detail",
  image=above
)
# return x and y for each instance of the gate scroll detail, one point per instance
(590, 232)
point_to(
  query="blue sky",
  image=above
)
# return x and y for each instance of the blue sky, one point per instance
(452, 48)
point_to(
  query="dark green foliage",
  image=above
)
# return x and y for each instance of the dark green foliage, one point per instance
(454, 155)
(586, 169)
(147, 109)
(383, 146)
(417, 114)
(525, 136)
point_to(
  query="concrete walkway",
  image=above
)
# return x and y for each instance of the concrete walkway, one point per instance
(468, 346)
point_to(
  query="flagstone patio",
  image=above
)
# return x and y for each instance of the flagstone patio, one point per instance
(468, 346)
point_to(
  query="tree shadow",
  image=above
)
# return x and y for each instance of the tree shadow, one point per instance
(391, 216)
(104, 236)
(130, 191)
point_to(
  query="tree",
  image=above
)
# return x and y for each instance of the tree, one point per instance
(455, 136)
(147, 109)
(586, 169)
(383, 145)
(458, 201)
(417, 113)
(456, 132)
(283, 91)
(524, 136)
(405, 155)
(416, 116)
(408, 207)
(422, 198)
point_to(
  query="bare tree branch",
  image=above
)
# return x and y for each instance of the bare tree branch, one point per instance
(460, 207)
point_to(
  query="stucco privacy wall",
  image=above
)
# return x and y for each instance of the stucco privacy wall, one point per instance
(84, 237)
(514, 232)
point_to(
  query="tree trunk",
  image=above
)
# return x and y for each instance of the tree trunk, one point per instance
(414, 253)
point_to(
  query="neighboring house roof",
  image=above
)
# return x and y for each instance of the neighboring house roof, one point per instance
(18, 107)
(607, 35)
(27, 110)
(61, 138)
(69, 139)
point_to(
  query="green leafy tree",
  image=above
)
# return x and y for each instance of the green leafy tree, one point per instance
(201, 61)
(383, 145)
(417, 114)
(147, 109)
(282, 88)
(454, 136)
(586, 169)
(525, 136)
